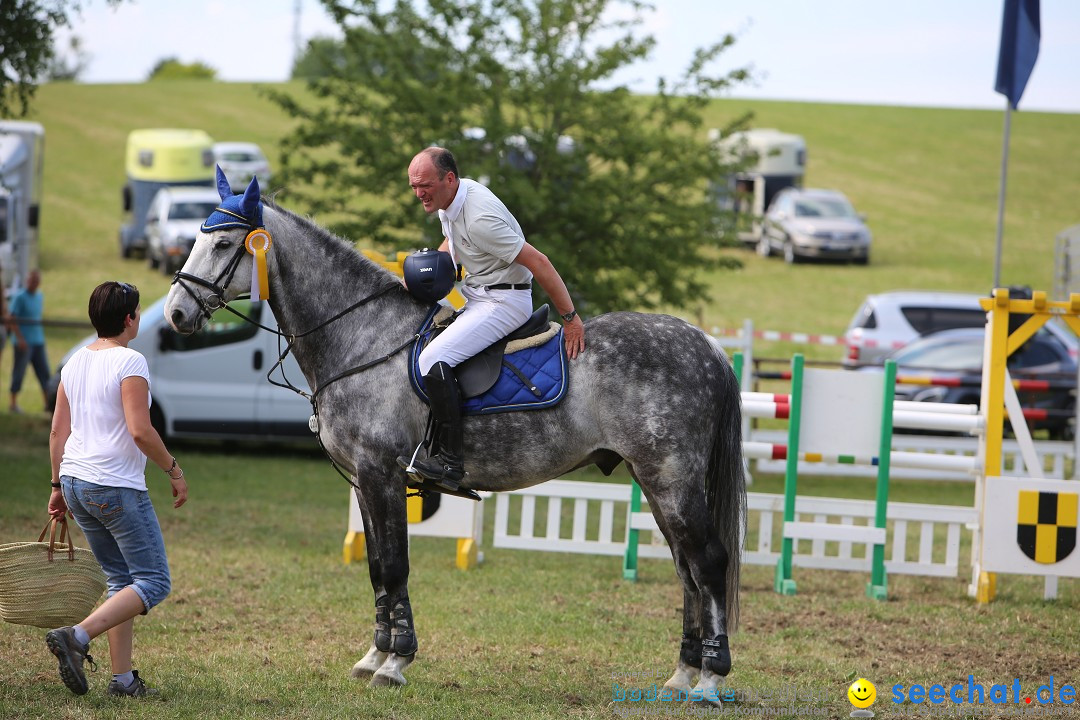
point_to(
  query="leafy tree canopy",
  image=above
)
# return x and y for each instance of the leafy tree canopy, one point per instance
(321, 58)
(27, 51)
(610, 185)
(172, 69)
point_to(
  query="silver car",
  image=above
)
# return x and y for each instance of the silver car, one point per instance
(240, 161)
(887, 321)
(173, 221)
(810, 223)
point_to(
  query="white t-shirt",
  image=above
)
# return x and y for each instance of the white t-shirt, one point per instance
(100, 449)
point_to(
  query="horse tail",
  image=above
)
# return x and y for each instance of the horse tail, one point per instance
(725, 482)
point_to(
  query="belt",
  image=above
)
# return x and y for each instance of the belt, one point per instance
(510, 286)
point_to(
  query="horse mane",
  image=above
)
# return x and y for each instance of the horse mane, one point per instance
(344, 253)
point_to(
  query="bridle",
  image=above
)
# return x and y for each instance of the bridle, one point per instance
(216, 299)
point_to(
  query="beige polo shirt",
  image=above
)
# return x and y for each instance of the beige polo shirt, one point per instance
(485, 236)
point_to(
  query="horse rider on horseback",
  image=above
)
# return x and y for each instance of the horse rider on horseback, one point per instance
(481, 235)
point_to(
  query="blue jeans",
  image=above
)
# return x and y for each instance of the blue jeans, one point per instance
(32, 355)
(123, 531)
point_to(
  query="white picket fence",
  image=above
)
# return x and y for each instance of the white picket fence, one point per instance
(935, 531)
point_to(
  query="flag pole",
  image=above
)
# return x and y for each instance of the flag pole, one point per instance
(1001, 193)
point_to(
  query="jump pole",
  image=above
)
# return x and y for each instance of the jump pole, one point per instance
(877, 588)
(783, 582)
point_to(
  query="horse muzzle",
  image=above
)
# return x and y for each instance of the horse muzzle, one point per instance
(187, 311)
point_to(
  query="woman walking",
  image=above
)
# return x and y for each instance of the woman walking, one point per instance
(100, 441)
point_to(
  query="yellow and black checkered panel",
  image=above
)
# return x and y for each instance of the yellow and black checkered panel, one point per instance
(1046, 525)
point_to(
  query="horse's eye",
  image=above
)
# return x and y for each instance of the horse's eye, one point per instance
(223, 245)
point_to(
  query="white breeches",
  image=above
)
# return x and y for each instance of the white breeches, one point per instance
(489, 316)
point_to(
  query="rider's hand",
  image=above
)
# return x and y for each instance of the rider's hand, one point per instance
(574, 334)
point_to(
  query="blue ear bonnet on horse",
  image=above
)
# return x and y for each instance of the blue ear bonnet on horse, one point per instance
(235, 211)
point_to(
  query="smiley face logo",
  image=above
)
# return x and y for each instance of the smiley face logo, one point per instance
(862, 693)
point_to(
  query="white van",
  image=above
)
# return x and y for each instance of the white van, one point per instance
(212, 384)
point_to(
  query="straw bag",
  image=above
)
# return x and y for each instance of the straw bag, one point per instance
(48, 584)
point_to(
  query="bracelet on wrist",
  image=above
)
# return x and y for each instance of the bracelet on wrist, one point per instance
(172, 467)
(56, 486)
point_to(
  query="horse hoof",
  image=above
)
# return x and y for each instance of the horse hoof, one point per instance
(678, 687)
(708, 689)
(684, 676)
(370, 663)
(387, 678)
(390, 674)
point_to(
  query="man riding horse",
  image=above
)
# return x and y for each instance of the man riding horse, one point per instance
(482, 236)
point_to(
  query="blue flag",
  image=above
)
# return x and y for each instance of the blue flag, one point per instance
(1019, 48)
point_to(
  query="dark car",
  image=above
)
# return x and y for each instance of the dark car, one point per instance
(958, 354)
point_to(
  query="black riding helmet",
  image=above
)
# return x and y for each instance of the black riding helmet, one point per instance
(429, 274)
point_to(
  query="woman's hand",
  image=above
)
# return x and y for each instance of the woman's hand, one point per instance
(179, 488)
(57, 505)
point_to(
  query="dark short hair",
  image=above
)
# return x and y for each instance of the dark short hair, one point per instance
(110, 303)
(443, 160)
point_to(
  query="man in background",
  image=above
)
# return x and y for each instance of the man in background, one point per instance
(4, 320)
(29, 337)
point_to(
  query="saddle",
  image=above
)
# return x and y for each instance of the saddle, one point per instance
(479, 373)
(533, 377)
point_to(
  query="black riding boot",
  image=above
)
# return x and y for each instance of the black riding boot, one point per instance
(446, 468)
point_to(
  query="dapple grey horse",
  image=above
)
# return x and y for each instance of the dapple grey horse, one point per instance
(650, 390)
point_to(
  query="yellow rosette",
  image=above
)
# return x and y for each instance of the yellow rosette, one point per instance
(258, 243)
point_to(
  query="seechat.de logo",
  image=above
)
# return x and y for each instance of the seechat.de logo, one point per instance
(975, 693)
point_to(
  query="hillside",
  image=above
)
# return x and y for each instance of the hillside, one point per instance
(926, 178)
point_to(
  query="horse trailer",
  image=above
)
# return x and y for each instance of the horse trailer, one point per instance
(155, 159)
(766, 162)
(22, 161)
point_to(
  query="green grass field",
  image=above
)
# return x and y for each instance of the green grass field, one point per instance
(265, 620)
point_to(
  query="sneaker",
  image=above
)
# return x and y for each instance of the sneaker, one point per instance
(137, 688)
(71, 654)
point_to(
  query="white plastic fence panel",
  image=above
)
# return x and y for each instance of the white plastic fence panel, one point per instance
(841, 412)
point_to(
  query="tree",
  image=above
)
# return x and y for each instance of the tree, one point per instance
(26, 47)
(320, 59)
(611, 186)
(67, 66)
(172, 69)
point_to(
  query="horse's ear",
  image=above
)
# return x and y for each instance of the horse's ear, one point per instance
(250, 201)
(223, 188)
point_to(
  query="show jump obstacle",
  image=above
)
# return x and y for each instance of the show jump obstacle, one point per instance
(1027, 525)
(1019, 525)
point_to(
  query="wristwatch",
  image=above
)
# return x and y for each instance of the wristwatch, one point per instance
(569, 316)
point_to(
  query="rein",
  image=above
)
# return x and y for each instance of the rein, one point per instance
(290, 338)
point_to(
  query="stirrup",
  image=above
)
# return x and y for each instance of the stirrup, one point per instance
(446, 486)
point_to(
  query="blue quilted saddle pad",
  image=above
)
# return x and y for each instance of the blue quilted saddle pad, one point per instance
(545, 366)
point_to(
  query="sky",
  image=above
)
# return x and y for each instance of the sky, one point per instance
(931, 53)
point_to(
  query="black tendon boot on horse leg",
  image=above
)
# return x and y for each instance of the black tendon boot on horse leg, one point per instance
(446, 467)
